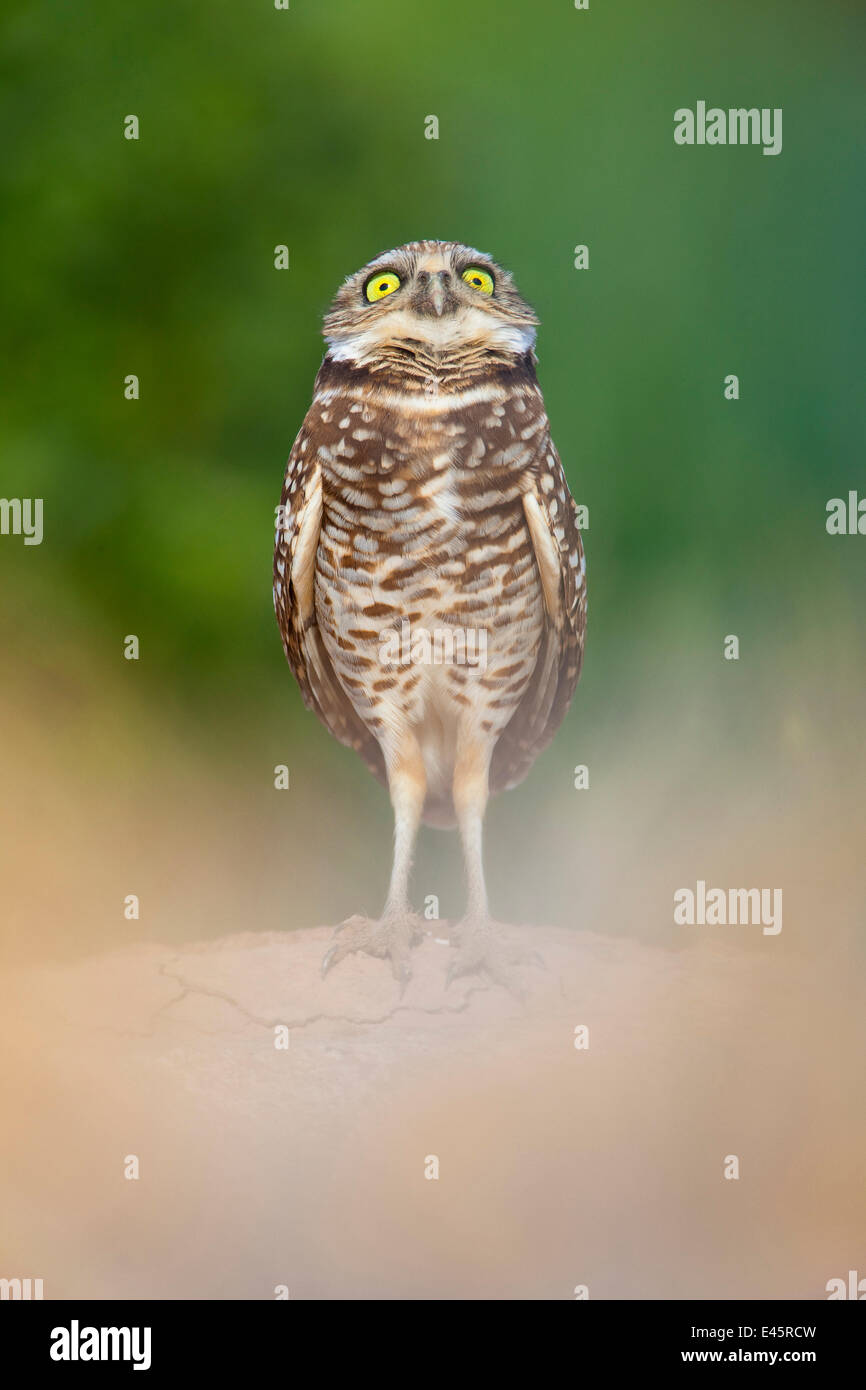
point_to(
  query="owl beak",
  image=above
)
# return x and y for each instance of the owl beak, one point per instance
(434, 291)
(437, 295)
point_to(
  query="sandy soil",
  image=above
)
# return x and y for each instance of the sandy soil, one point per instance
(558, 1167)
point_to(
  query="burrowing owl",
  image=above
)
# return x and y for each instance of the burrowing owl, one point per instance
(429, 577)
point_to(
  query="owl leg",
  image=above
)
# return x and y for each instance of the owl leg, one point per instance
(398, 929)
(481, 947)
(407, 784)
(471, 773)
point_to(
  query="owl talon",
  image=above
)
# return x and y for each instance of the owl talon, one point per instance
(390, 938)
(481, 949)
(328, 960)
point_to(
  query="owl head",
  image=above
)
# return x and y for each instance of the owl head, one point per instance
(437, 295)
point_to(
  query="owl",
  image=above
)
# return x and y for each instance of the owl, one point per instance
(429, 575)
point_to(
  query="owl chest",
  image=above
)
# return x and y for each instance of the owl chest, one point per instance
(427, 592)
(417, 538)
(423, 527)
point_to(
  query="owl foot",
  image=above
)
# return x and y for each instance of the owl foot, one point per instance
(482, 949)
(389, 938)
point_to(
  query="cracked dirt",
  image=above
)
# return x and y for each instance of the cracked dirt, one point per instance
(305, 1166)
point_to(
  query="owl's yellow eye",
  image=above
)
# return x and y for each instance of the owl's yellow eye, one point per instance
(479, 279)
(380, 285)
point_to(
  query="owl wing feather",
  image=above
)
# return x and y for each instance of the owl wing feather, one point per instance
(297, 542)
(551, 519)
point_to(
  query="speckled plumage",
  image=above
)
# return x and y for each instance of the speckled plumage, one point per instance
(424, 489)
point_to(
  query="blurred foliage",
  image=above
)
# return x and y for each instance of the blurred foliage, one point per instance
(305, 126)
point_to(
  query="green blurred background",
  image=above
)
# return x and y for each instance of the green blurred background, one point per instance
(155, 257)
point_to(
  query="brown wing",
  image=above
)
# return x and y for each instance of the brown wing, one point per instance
(551, 519)
(299, 520)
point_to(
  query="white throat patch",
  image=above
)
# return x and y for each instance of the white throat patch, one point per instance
(452, 331)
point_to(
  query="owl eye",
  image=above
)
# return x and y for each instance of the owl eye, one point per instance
(479, 279)
(386, 282)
